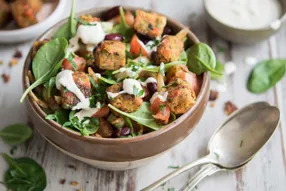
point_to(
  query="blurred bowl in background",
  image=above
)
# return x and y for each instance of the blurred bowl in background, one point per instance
(245, 36)
(50, 14)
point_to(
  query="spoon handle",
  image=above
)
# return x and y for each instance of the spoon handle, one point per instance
(205, 171)
(204, 160)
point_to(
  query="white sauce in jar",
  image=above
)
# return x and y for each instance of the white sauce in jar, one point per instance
(245, 14)
(90, 35)
(128, 87)
(65, 78)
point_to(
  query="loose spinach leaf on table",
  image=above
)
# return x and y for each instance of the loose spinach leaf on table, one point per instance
(52, 71)
(49, 54)
(24, 174)
(220, 68)
(60, 116)
(16, 134)
(265, 75)
(142, 116)
(68, 30)
(123, 28)
(201, 59)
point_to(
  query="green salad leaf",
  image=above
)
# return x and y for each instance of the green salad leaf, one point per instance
(220, 68)
(49, 54)
(201, 59)
(68, 30)
(52, 71)
(265, 75)
(16, 134)
(24, 174)
(167, 67)
(142, 116)
(122, 27)
(60, 116)
(87, 126)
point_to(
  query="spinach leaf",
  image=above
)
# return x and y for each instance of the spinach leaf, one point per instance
(85, 23)
(86, 127)
(49, 54)
(68, 30)
(183, 57)
(51, 84)
(24, 174)
(201, 59)
(49, 74)
(265, 75)
(167, 67)
(16, 134)
(122, 27)
(60, 116)
(108, 81)
(220, 68)
(142, 116)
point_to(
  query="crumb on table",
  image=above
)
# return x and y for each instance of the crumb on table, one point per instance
(213, 95)
(6, 78)
(229, 108)
(13, 62)
(74, 183)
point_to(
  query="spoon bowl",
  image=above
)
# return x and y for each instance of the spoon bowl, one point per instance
(243, 134)
(235, 142)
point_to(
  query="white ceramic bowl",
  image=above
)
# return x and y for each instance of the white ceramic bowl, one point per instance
(21, 35)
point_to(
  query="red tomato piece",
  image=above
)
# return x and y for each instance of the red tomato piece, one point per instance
(137, 46)
(161, 111)
(79, 61)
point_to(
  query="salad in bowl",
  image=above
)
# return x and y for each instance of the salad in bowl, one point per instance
(121, 75)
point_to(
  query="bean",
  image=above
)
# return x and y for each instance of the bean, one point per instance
(114, 36)
(152, 87)
(111, 13)
(125, 131)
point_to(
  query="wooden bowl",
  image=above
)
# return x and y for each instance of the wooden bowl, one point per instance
(123, 153)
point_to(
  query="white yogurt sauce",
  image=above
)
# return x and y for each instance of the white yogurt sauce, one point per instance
(128, 87)
(245, 14)
(90, 35)
(149, 80)
(127, 72)
(161, 95)
(87, 112)
(65, 78)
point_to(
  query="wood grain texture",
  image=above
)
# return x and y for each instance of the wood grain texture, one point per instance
(266, 172)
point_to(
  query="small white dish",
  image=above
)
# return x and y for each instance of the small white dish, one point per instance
(25, 34)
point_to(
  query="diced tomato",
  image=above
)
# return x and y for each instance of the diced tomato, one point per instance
(137, 46)
(79, 61)
(161, 111)
(191, 78)
(102, 112)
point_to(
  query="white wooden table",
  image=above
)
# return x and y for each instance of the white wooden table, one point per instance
(266, 172)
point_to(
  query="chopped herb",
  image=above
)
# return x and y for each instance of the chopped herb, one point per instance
(70, 57)
(162, 107)
(173, 167)
(171, 189)
(84, 22)
(162, 69)
(241, 143)
(138, 93)
(13, 149)
(220, 49)
(217, 155)
(170, 84)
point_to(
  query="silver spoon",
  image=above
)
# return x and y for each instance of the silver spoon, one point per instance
(237, 140)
